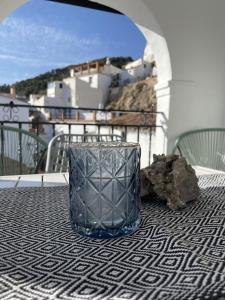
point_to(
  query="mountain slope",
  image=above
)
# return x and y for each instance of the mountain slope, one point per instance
(137, 96)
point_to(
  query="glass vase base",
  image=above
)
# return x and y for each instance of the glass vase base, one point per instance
(108, 233)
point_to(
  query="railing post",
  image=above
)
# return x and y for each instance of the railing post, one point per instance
(53, 130)
(131, 130)
(150, 146)
(77, 115)
(2, 153)
(20, 148)
(62, 116)
(138, 134)
(94, 116)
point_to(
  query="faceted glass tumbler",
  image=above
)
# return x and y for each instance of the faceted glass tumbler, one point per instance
(104, 188)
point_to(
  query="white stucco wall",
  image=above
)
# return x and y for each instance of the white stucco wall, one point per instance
(140, 72)
(99, 86)
(195, 38)
(134, 71)
(104, 81)
(111, 70)
(82, 93)
(92, 79)
(75, 92)
(49, 101)
(56, 101)
(55, 89)
(70, 91)
(87, 97)
(34, 98)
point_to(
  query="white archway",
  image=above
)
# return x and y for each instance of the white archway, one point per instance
(194, 33)
(156, 45)
(142, 16)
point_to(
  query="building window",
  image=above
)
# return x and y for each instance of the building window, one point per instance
(69, 99)
(60, 85)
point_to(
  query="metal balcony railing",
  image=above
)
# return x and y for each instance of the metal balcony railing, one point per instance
(48, 121)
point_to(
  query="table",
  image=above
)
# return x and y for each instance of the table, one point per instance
(34, 180)
(174, 255)
(60, 179)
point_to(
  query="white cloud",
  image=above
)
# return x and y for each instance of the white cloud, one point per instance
(24, 41)
(31, 61)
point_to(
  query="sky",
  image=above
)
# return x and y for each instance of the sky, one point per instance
(43, 35)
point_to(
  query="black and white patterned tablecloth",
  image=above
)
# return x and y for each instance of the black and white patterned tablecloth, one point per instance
(174, 255)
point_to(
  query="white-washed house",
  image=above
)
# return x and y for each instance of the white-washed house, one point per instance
(136, 70)
(57, 95)
(92, 83)
(87, 87)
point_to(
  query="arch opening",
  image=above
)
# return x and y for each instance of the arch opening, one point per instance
(156, 46)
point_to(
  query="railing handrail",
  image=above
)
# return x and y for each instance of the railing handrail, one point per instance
(47, 130)
(22, 131)
(12, 105)
(82, 123)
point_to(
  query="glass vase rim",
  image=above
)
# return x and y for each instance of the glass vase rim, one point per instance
(103, 145)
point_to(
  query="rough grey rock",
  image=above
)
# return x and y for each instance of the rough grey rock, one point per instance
(172, 179)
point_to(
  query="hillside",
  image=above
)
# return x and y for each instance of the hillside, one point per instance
(137, 96)
(38, 84)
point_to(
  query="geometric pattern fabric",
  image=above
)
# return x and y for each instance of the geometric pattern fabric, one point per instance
(174, 255)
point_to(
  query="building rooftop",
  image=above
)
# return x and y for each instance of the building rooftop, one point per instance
(12, 97)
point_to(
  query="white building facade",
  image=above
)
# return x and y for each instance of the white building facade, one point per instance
(89, 86)
(57, 95)
(136, 70)
(92, 83)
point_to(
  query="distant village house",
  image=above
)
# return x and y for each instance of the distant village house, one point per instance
(90, 85)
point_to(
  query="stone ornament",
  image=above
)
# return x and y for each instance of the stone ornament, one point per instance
(172, 179)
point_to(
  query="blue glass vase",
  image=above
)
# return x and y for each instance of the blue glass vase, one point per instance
(104, 188)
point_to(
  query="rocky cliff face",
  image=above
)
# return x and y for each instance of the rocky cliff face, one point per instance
(136, 96)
